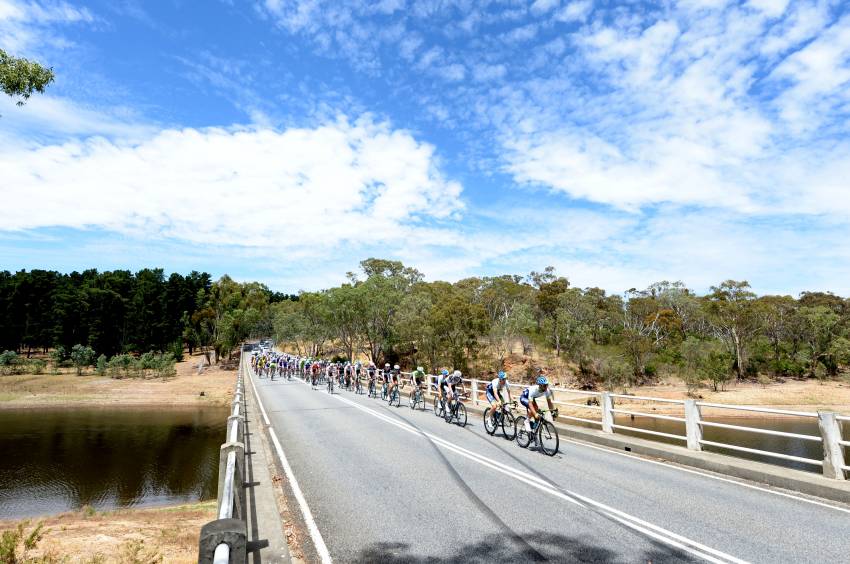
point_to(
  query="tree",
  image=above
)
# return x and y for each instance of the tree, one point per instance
(733, 318)
(20, 78)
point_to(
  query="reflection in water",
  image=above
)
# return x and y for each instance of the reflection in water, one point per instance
(54, 460)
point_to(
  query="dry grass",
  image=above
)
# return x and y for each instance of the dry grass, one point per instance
(67, 389)
(165, 534)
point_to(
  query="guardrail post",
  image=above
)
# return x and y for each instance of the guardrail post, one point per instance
(693, 428)
(233, 532)
(240, 434)
(475, 392)
(607, 414)
(833, 454)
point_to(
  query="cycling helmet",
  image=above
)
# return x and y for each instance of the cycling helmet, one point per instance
(387, 365)
(457, 373)
(396, 367)
(502, 376)
(542, 381)
(444, 372)
(420, 369)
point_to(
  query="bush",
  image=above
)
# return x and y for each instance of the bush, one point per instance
(81, 357)
(10, 362)
(59, 355)
(102, 365)
(121, 365)
(15, 544)
(176, 350)
(37, 366)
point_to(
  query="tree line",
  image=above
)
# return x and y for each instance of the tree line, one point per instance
(388, 313)
(118, 312)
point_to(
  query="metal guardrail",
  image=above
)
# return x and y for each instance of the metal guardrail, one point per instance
(224, 541)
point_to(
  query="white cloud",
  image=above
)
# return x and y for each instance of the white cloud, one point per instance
(484, 72)
(543, 6)
(360, 183)
(577, 10)
(25, 26)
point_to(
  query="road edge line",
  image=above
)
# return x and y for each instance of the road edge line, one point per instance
(315, 534)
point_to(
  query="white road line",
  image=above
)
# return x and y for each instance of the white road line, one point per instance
(663, 535)
(706, 475)
(315, 535)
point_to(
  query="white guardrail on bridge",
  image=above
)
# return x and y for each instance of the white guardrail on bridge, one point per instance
(224, 541)
(603, 405)
(600, 408)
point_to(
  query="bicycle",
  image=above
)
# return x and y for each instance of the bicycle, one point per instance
(330, 385)
(439, 406)
(502, 417)
(416, 398)
(384, 389)
(358, 387)
(543, 432)
(373, 389)
(456, 410)
(395, 397)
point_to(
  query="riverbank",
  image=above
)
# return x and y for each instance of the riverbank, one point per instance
(213, 386)
(150, 535)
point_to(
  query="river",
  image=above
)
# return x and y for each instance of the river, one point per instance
(55, 460)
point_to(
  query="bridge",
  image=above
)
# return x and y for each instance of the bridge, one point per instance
(365, 482)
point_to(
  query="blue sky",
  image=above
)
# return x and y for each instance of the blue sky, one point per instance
(285, 140)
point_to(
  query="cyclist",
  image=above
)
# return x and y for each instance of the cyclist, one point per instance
(372, 371)
(450, 384)
(385, 377)
(395, 378)
(494, 391)
(441, 384)
(529, 399)
(416, 378)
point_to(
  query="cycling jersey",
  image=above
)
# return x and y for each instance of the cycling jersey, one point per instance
(532, 393)
(493, 391)
(417, 376)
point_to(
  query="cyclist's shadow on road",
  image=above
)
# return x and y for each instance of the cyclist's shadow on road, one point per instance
(496, 548)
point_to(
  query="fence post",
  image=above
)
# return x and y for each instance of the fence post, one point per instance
(607, 414)
(833, 454)
(693, 429)
(475, 392)
(238, 477)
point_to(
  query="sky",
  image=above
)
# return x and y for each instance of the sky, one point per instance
(623, 143)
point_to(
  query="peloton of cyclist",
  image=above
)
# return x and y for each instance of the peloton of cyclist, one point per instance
(529, 399)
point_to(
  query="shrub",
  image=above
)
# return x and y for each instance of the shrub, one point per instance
(59, 355)
(81, 357)
(177, 350)
(102, 365)
(37, 366)
(15, 544)
(9, 362)
(121, 365)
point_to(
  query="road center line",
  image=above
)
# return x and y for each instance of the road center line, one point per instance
(649, 529)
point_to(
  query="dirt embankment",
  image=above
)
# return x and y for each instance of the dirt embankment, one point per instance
(163, 534)
(212, 386)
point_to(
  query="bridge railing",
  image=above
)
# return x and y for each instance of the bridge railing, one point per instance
(602, 407)
(224, 540)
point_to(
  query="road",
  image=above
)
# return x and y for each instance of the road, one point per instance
(386, 484)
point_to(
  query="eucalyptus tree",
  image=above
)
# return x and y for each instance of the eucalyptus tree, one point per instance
(734, 319)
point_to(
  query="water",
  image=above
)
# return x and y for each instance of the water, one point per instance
(55, 460)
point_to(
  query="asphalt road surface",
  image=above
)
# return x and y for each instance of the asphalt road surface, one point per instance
(390, 485)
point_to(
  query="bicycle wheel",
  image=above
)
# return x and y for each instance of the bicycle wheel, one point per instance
(460, 413)
(395, 398)
(437, 410)
(489, 422)
(548, 438)
(523, 437)
(508, 425)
